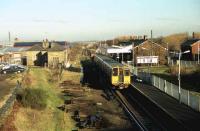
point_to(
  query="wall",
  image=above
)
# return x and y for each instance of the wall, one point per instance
(7, 107)
(31, 57)
(148, 49)
(62, 55)
(195, 47)
(195, 50)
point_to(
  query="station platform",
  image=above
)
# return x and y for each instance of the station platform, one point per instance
(181, 112)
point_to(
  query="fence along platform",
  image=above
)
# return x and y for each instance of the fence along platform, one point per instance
(189, 117)
(186, 97)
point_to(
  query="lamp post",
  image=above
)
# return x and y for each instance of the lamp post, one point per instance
(198, 53)
(179, 73)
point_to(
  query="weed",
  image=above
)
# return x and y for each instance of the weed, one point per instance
(35, 98)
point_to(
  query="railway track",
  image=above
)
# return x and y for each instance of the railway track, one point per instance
(141, 120)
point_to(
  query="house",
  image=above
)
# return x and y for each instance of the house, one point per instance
(193, 45)
(144, 47)
(46, 53)
(11, 55)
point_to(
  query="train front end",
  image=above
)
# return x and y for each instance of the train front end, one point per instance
(120, 77)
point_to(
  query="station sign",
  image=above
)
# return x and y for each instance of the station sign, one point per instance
(147, 59)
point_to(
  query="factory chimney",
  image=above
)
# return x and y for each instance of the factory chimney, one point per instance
(9, 38)
(193, 35)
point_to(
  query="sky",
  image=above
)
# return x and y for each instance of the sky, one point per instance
(79, 20)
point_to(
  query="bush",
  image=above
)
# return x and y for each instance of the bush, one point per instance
(35, 98)
(173, 70)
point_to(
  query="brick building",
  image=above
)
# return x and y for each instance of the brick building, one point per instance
(194, 46)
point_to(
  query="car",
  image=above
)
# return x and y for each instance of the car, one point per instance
(3, 64)
(12, 69)
(137, 79)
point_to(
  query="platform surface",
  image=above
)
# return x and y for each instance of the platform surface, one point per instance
(181, 112)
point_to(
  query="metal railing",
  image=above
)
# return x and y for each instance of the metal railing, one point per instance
(184, 63)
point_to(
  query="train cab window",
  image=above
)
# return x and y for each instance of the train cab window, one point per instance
(115, 71)
(126, 72)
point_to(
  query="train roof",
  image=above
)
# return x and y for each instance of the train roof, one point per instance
(109, 61)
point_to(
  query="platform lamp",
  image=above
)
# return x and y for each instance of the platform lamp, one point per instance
(198, 52)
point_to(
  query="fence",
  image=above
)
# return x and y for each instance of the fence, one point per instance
(184, 63)
(186, 97)
(6, 108)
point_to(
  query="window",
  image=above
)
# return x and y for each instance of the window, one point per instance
(120, 71)
(55, 59)
(115, 71)
(126, 72)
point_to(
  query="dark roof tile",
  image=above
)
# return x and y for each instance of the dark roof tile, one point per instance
(189, 42)
(136, 42)
(36, 47)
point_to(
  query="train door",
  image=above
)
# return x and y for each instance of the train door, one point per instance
(127, 78)
(114, 76)
(121, 75)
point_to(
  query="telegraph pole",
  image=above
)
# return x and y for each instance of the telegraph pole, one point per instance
(151, 45)
(133, 54)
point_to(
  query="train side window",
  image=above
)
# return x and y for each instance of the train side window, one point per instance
(126, 72)
(115, 71)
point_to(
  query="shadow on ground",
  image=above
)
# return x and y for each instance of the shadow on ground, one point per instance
(90, 75)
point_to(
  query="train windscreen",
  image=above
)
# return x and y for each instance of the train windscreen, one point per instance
(126, 72)
(115, 71)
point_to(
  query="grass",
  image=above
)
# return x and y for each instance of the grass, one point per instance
(7, 83)
(189, 78)
(49, 118)
(160, 69)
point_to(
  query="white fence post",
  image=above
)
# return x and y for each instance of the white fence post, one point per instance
(165, 86)
(159, 82)
(188, 98)
(199, 103)
(171, 89)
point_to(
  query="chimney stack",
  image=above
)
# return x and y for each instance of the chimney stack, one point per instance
(144, 37)
(193, 36)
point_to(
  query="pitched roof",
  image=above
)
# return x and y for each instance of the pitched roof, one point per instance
(37, 47)
(11, 49)
(136, 42)
(20, 44)
(56, 47)
(189, 42)
(28, 44)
